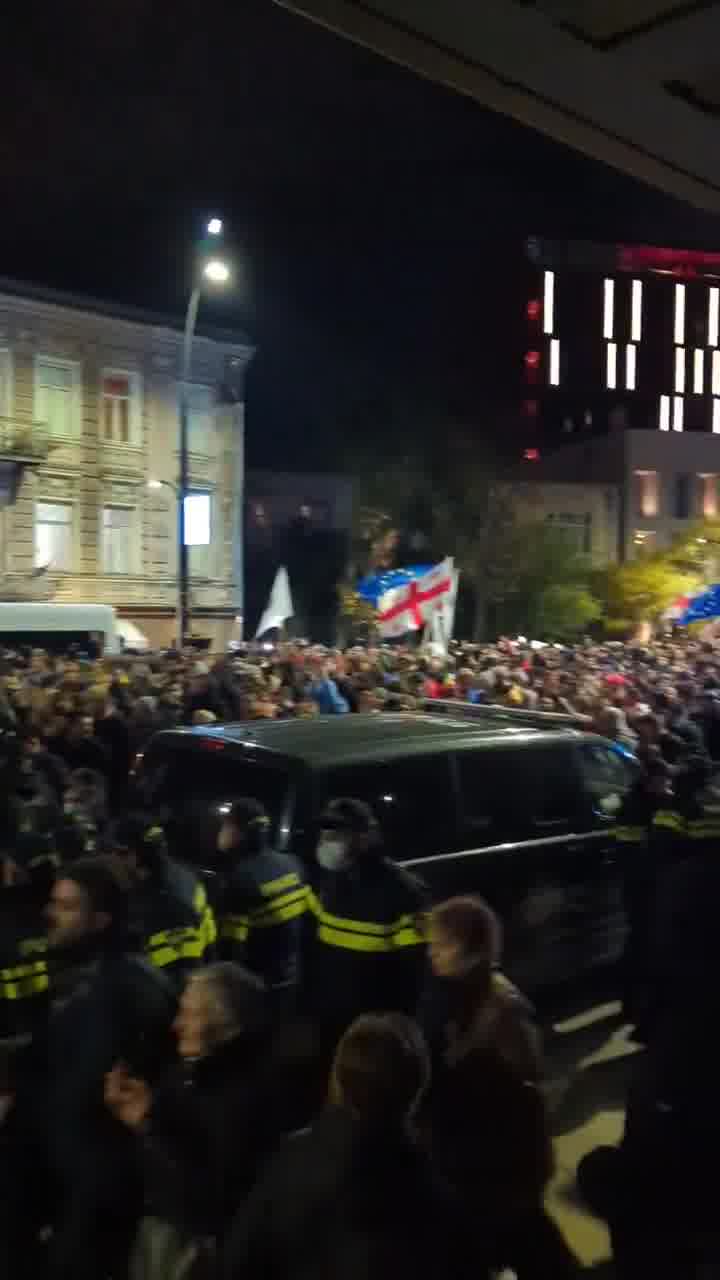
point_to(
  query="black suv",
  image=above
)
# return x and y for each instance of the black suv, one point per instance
(520, 814)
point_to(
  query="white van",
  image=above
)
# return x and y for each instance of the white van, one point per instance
(56, 626)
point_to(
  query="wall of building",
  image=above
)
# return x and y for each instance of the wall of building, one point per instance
(588, 514)
(671, 479)
(88, 473)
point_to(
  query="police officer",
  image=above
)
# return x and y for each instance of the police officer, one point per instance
(263, 898)
(640, 845)
(367, 944)
(691, 817)
(169, 909)
(27, 870)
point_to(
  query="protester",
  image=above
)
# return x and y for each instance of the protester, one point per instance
(204, 1129)
(485, 1114)
(354, 1196)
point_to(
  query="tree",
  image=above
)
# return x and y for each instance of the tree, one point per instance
(642, 590)
(439, 492)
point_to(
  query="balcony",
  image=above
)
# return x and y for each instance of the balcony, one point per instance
(25, 443)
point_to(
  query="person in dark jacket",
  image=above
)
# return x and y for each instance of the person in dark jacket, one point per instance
(169, 908)
(642, 847)
(484, 1116)
(261, 904)
(205, 1128)
(106, 1005)
(354, 1198)
(27, 870)
(81, 749)
(366, 947)
(111, 729)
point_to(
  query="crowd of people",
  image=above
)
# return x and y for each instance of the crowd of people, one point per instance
(291, 1071)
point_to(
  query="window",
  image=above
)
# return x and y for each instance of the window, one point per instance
(608, 775)
(683, 496)
(120, 413)
(710, 505)
(200, 401)
(198, 534)
(647, 493)
(117, 544)
(518, 794)
(576, 530)
(54, 535)
(56, 398)
(397, 792)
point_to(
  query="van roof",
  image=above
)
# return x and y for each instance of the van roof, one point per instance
(342, 739)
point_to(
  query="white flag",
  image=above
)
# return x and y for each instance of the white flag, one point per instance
(279, 607)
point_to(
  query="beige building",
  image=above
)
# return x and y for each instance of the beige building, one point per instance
(634, 490)
(88, 419)
(587, 515)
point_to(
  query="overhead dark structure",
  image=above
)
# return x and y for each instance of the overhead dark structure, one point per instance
(633, 83)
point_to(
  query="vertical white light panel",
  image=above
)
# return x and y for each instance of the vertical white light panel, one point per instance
(713, 316)
(630, 367)
(554, 362)
(680, 370)
(609, 309)
(664, 419)
(716, 373)
(716, 417)
(698, 370)
(678, 413)
(636, 311)
(679, 313)
(549, 302)
(611, 379)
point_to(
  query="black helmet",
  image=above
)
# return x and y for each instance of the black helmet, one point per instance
(247, 813)
(346, 814)
(139, 834)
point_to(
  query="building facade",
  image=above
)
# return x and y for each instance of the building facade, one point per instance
(89, 459)
(625, 492)
(620, 336)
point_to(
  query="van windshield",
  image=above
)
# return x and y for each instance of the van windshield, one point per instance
(191, 791)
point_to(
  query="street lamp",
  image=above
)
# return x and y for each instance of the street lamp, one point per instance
(215, 272)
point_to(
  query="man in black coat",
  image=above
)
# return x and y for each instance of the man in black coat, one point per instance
(354, 1198)
(106, 1005)
(206, 1126)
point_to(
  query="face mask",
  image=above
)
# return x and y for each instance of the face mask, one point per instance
(331, 853)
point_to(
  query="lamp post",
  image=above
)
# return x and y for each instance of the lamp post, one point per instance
(217, 273)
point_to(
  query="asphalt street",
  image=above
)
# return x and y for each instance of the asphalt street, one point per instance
(589, 1053)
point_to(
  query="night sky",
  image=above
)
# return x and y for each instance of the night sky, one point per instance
(379, 219)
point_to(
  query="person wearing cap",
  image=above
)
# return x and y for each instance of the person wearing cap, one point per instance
(106, 1005)
(169, 908)
(262, 901)
(367, 946)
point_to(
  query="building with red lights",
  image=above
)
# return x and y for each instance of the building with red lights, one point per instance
(622, 389)
(621, 336)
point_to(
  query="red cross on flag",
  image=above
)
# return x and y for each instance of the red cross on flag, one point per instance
(410, 607)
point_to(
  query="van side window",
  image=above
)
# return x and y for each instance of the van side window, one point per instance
(412, 800)
(518, 793)
(608, 774)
